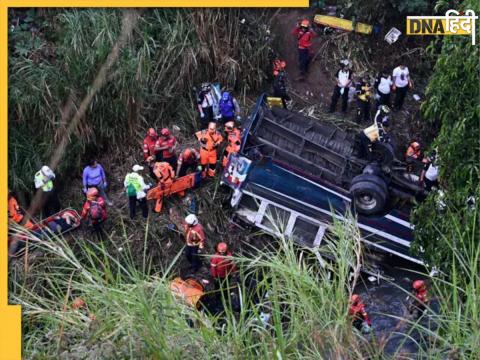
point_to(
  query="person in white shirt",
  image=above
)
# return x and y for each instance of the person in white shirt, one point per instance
(206, 100)
(344, 80)
(401, 83)
(383, 85)
(429, 175)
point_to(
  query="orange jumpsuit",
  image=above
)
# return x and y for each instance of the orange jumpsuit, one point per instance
(15, 214)
(234, 139)
(208, 152)
(164, 173)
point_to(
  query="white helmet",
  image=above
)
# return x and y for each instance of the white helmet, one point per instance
(344, 62)
(191, 220)
(47, 172)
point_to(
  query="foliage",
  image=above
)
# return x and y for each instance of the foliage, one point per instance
(452, 105)
(53, 62)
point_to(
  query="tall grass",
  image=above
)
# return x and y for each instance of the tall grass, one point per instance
(136, 314)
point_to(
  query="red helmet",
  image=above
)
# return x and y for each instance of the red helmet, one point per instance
(278, 65)
(187, 152)
(152, 132)
(165, 132)
(305, 23)
(222, 247)
(355, 299)
(92, 193)
(418, 284)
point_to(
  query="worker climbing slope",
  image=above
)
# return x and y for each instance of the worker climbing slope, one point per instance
(234, 140)
(419, 298)
(229, 108)
(210, 140)
(280, 83)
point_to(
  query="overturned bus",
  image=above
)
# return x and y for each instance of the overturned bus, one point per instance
(303, 172)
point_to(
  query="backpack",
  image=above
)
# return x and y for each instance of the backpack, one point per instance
(131, 191)
(226, 107)
(96, 211)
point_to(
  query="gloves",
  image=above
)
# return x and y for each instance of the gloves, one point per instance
(202, 115)
(239, 118)
(84, 190)
(342, 90)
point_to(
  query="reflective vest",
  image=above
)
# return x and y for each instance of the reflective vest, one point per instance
(209, 141)
(135, 180)
(164, 172)
(41, 181)
(365, 92)
(195, 235)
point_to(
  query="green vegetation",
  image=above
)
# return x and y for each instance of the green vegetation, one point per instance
(56, 54)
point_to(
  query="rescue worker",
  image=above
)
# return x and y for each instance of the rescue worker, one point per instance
(210, 139)
(343, 78)
(401, 83)
(383, 85)
(15, 213)
(229, 108)
(280, 82)
(360, 318)
(149, 155)
(195, 239)
(94, 210)
(374, 133)
(221, 264)
(420, 298)
(94, 176)
(165, 148)
(364, 94)
(188, 160)
(164, 173)
(135, 188)
(205, 103)
(430, 173)
(44, 183)
(304, 35)
(234, 140)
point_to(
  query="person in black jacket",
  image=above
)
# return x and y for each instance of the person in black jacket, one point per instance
(280, 82)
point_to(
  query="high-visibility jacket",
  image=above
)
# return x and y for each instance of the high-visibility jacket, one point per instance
(137, 181)
(304, 38)
(168, 145)
(192, 159)
(149, 146)
(358, 312)
(164, 172)
(15, 213)
(195, 235)
(364, 91)
(222, 265)
(209, 142)
(43, 182)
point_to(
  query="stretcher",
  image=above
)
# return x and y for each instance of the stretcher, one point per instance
(188, 291)
(178, 186)
(342, 24)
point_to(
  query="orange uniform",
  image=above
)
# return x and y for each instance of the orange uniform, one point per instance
(234, 140)
(221, 265)
(15, 214)
(209, 139)
(164, 173)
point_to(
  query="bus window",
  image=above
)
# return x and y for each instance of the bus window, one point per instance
(304, 231)
(275, 218)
